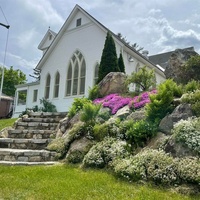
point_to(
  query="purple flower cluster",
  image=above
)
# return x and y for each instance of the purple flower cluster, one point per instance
(115, 101)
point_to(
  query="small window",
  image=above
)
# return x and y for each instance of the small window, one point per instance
(35, 94)
(50, 37)
(78, 22)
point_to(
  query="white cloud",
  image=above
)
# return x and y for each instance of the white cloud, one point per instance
(44, 11)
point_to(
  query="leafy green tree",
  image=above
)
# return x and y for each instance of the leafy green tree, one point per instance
(121, 63)
(144, 79)
(191, 70)
(11, 78)
(109, 61)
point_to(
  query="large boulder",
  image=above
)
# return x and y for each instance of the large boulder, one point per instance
(183, 111)
(78, 150)
(114, 82)
(177, 149)
(137, 115)
(175, 63)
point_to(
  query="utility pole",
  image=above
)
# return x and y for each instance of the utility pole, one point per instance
(2, 78)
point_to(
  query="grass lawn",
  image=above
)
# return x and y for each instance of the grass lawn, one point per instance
(6, 122)
(72, 183)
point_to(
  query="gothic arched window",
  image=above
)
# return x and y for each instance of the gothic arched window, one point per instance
(47, 86)
(75, 83)
(56, 85)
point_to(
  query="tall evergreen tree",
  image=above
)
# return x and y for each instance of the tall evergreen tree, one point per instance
(121, 63)
(109, 61)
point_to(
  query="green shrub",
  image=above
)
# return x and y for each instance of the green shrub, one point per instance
(104, 114)
(149, 164)
(57, 145)
(196, 108)
(162, 102)
(192, 86)
(94, 93)
(159, 167)
(77, 105)
(47, 106)
(187, 132)
(188, 170)
(104, 152)
(89, 113)
(193, 98)
(75, 157)
(139, 132)
(100, 131)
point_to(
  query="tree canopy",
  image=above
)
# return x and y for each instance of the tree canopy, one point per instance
(144, 79)
(191, 69)
(11, 78)
(109, 60)
(121, 63)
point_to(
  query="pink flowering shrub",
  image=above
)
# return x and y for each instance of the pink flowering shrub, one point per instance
(115, 101)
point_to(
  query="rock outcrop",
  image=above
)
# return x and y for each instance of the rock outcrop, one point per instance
(183, 111)
(114, 82)
(175, 63)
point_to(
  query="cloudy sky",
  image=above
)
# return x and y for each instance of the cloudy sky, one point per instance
(157, 25)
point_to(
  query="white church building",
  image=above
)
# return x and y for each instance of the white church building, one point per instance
(70, 62)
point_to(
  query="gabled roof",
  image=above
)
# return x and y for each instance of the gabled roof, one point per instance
(116, 38)
(45, 39)
(162, 58)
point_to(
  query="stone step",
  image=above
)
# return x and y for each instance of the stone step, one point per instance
(41, 120)
(28, 134)
(24, 143)
(36, 125)
(48, 114)
(11, 163)
(26, 155)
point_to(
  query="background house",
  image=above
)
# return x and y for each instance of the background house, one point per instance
(70, 62)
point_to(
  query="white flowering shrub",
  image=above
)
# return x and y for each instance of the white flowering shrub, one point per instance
(188, 133)
(193, 98)
(149, 164)
(188, 170)
(104, 152)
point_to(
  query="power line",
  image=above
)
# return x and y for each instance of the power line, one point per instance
(4, 15)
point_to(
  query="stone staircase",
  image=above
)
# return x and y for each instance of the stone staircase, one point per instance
(26, 143)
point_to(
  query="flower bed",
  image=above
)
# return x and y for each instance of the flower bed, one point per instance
(115, 101)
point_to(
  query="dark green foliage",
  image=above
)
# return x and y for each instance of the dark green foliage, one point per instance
(138, 133)
(162, 102)
(191, 70)
(109, 59)
(77, 105)
(121, 63)
(94, 93)
(145, 79)
(47, 106)
(11, 78)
